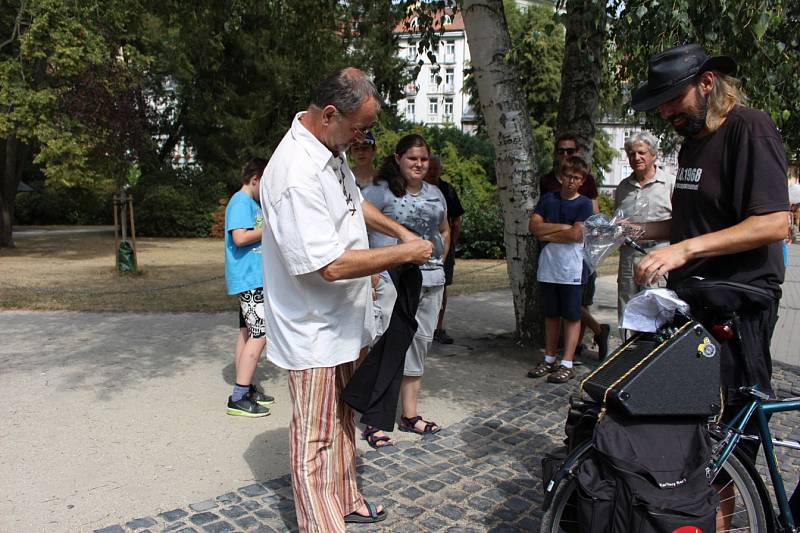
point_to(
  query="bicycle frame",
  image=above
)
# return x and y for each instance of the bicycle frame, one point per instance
(761, 406)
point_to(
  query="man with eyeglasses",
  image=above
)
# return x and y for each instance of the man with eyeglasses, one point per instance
(317, 291)
(566, 147)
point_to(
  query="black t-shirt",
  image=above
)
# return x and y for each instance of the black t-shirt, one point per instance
(725, 177)
(454, 208)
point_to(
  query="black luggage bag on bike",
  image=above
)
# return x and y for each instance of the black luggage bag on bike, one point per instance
(646, 477)
(646, 471)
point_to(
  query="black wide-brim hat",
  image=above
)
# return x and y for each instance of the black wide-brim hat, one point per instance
(671, 71)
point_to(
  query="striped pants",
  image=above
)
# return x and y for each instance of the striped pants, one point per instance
(322, 451)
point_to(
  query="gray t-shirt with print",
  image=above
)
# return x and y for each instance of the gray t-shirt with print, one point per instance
(422, 213)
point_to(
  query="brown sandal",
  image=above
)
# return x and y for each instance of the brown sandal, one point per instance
(561, 375)
(410, 425)
(376, 441)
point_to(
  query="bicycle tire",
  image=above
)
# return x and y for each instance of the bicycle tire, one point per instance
(555, 520)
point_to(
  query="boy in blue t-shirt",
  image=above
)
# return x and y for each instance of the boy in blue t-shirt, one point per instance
(557, 223)
(243, 223)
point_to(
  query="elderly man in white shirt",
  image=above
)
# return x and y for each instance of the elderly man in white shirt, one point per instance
(644, 196)
(317, 267)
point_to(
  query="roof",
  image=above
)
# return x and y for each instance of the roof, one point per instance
(407, 24)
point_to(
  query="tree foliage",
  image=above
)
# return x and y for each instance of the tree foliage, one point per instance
(90, 89)
(761, 35)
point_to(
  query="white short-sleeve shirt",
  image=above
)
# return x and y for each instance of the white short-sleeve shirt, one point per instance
(312, 214)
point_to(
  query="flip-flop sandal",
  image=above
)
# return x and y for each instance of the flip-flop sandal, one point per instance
(375, 441)
(409, 424)
(374, 516)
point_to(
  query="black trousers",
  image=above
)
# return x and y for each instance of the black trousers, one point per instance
(374, 389)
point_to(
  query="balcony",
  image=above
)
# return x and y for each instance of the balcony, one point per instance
(448, 59)
(448, 88)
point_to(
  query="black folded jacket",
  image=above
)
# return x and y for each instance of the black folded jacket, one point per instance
(374, 389)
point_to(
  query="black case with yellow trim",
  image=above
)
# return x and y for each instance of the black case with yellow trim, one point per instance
(670, 373)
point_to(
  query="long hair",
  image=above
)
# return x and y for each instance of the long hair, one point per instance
(390, 171)
(724, 96)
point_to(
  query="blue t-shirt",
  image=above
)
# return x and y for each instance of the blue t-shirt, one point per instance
(562, 262)
(242, 263)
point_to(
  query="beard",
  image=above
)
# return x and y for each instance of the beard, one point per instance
(694, 120)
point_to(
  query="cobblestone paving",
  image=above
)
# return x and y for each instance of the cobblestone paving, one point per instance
(482, 474)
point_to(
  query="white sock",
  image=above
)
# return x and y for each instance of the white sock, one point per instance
(549, 359)
(566, 364)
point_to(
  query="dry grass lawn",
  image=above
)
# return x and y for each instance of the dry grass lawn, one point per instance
(77, 272)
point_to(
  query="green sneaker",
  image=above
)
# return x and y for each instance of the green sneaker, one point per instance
(259, 397)
(246, 407)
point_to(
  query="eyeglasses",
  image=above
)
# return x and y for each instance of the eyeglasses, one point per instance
(567, 151)
(359, 133)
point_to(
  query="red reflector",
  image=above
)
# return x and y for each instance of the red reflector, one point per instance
(722, 332)
(687, 529)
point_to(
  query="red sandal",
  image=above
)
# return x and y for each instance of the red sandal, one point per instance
(409, 424)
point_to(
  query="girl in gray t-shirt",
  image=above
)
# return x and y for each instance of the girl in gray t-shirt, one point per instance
(401, 194)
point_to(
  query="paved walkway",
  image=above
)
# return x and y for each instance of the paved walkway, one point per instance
(134, 438)
(481, 474)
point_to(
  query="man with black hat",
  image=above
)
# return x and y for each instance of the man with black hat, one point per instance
(730, 199)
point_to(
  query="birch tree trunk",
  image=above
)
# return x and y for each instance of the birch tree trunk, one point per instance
(509, 129)
(580, 72)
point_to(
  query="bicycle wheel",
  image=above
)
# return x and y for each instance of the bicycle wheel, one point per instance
(744, 509)
(747, 515)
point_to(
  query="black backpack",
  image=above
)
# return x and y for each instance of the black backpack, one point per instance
(646, 477)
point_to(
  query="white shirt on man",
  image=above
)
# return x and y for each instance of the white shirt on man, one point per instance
(312, 214)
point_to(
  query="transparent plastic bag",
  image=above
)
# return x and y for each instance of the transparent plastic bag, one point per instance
(603, 235)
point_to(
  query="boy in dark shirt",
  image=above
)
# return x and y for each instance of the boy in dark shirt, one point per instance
(557, 223)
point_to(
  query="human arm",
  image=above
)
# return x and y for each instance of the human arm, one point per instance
(752, 232)
(377, 221)
(455, 231)
(359, 263)
(444, 230)
(244, 237)
(550, 232)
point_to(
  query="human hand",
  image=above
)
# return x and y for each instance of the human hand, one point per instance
(656, 264)
(408, 236)
(419, 251)
(374, 280)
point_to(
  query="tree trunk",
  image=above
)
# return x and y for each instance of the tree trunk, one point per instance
(13, 159)
(580, 72)
(504, 109)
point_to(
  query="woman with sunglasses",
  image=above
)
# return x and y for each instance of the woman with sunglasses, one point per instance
(401, 193)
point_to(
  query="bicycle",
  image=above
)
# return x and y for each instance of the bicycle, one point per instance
(751, 509)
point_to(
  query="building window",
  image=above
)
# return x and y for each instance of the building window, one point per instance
(411, 108)
(411, 51)
(433, 106)
(432, 79)
(450, 48)
(448, 108)
(449, 79)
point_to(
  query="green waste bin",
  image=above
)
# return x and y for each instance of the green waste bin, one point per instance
(126, 259)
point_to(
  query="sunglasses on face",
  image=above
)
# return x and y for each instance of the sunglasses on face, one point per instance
(566, 151)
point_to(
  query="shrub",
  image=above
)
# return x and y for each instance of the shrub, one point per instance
(59, 204)
(606, 203)
(166, 211)
(481, 231)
